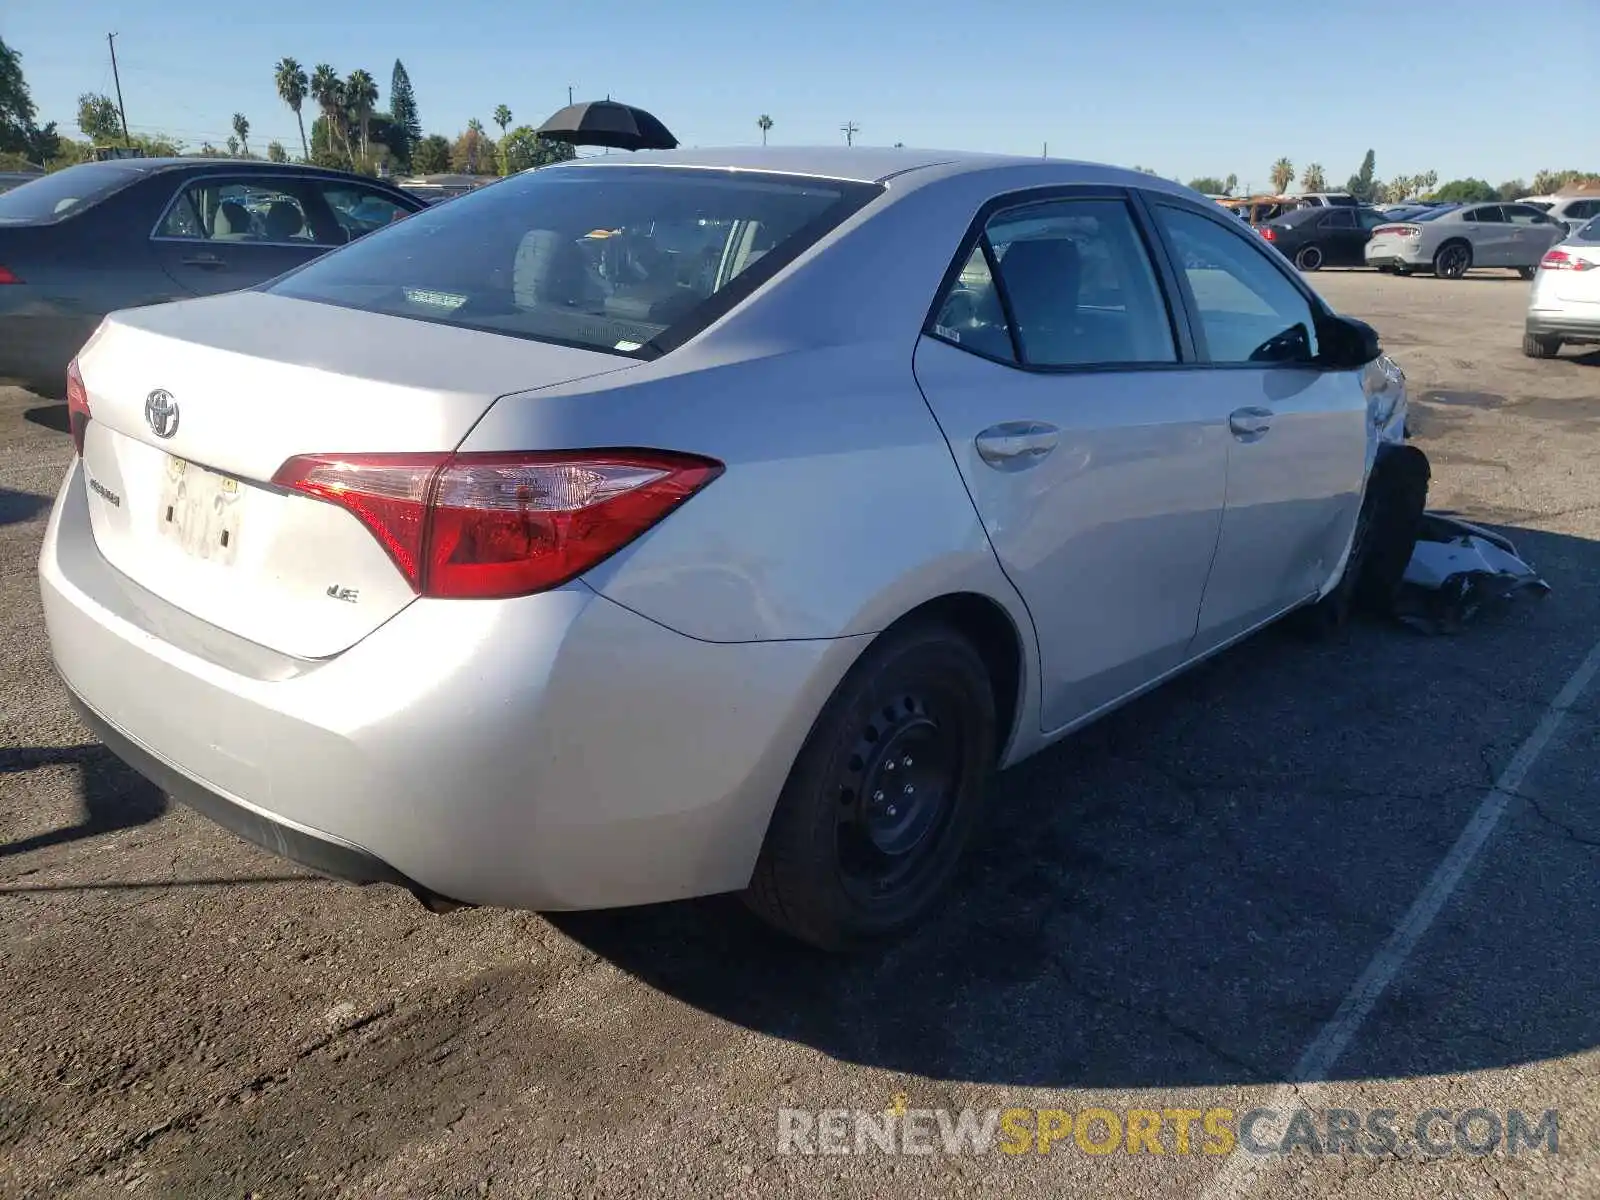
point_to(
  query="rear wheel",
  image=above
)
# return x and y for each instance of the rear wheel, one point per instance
(1453, 260)
(1539, 346)
(1308, 258)
(881, 801)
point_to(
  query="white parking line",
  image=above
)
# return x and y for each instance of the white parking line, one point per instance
(1242, 1171)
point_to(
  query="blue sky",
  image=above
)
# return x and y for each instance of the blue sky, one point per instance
(1184, 88)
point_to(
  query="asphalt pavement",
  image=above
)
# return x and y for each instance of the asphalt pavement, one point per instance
(1375, 855)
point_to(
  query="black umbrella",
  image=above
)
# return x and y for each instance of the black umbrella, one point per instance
(608, 123)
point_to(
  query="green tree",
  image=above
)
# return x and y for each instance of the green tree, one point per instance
(361, 98)
(502, 118)
(406, 128)
(473, 152)
(276, 153)
(1425, 182)
(19, 135)
(1511, 189)
(1363, 186)
(1229, 184)
(241, 130)
(1546, 182)
(1312, 179)
(1210, 185)
(432, 155)
(97, 117)
(328, 91)
(763, 123)
(1465, 191)
(1282, 175)
(233, 145)
(293, 87)
(523, 148)
(1401, 187)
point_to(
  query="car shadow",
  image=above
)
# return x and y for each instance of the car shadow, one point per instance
(50, 416)
(18, 507)
(114, 796)
(1183, 893)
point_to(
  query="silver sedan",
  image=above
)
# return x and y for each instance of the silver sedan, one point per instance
(1452, 241)
(700, 522)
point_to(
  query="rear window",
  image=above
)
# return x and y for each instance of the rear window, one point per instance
(1433, 214)
(630, 260)
(1590, 232)
(59, 195)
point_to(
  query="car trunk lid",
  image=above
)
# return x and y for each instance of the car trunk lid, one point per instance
(194, 406)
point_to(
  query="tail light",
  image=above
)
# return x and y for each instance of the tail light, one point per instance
(8, 276)
(77, 405)
(487, 526)
(1561, 260)
(1399, 230)
(1269, 233)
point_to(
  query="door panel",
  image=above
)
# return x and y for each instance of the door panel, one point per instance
(1297, 434)
(222, 234)
(1109, 533)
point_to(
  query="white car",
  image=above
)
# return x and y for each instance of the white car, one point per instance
(1564, 302)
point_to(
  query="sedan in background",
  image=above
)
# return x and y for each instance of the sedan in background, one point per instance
(1564, 303)
(666, 524)
(1451, 241)
(85, 241)
(1317, 237)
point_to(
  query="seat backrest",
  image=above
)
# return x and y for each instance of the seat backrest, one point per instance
(232, 221)
(1041, 278)
(284, 221)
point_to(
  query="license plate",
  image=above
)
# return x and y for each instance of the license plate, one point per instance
(200, 511)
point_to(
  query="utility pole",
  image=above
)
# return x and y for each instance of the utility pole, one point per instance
(849, 129)
(1046, 153)
(121, 112)
(569, 95)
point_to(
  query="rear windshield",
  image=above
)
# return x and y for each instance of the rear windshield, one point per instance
(1433, 214)
(1590, 232)
(53, 197)
(630, 260)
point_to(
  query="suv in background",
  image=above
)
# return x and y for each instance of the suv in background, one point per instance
(1574, 211)
(1328, 199)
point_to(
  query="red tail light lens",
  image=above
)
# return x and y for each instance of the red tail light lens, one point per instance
(1398, 230)
(1560, 260)
(8, 276)
(497, 525)
(77, 405)
(1269, 233)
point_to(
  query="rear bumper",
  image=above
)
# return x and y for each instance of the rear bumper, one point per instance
(557, 751)
(1392, 254)
(1568, 326)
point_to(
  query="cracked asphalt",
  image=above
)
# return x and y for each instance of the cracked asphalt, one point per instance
(1162, 912)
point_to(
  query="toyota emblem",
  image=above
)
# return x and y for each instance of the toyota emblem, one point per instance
(161, 413)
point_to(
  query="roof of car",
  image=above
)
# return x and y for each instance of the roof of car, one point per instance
(866, 164)
(207, 163)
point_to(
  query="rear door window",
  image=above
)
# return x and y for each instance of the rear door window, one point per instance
(630, 260)
(262, 211)
(1339, 218)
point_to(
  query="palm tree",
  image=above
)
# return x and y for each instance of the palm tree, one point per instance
(361, 97)
(502, 118)
(1312, 179)
(293, 87)
(241, 129)
(474, 140)
(764, 123)
(328, 92)
(1282, 175)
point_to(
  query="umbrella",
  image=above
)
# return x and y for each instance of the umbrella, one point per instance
(608, 123)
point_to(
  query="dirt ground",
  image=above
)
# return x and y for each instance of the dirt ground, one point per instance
(1167, 911)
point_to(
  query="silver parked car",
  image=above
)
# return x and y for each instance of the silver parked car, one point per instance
(1564, 302)
(1452, 240)
(700, 522)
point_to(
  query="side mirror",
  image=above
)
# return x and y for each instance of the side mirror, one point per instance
(1346, 342)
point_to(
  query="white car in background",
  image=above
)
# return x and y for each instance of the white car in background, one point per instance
(1564, 302)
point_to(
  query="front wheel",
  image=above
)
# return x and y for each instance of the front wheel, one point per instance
(1452, 261)
(1308, 258)
(871, 823)
(1537, 346)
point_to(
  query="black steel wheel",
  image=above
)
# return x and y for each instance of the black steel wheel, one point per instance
(882, 798)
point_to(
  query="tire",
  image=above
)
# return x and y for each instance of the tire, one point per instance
(841, 869)
(1452, 260)
(1385, 534)
(1540, 346)
(1527, 272)
(1309, 258)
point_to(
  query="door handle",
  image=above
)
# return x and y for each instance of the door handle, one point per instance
(1248, 424)
(1017, 445)
(202, 260)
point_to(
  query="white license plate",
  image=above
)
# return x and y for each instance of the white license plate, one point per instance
(200, 511)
